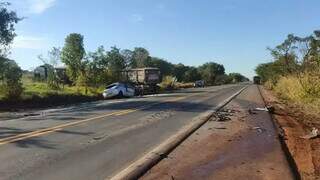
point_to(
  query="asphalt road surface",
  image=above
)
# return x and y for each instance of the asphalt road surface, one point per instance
(98, 139)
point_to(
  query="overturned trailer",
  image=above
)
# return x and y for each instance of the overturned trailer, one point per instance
(144, 79)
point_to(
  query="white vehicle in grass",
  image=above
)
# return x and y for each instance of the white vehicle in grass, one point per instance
(119, 90)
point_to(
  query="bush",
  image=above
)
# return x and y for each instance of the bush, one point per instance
(11, 76)
(168, 83)
(306, 88)
(290, 89)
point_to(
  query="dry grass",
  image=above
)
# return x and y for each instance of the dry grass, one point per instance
(300, 92)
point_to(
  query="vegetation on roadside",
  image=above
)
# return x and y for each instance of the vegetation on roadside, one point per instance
(10, 72)
(294, 73)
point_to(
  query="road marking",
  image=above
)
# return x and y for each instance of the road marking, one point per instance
(29, 136)
(44, 131)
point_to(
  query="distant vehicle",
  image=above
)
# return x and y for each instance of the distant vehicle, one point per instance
(257, 80)
(144, 79)
(199, 83)
(119, 90)
(41, 72)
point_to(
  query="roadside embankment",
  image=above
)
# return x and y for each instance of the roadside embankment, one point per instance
(296, 123)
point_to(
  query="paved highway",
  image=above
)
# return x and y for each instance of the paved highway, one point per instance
(98, 139)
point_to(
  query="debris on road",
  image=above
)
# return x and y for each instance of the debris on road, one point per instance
(224, 114)
(313, 134)
(266, 109)
(261, 109)
(259, 129)
(250, 111)
(220, 128)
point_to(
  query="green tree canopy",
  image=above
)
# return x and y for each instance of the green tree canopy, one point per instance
(210, 70)
(165, 67)
(10, 78)
(191, 75)
(179, 71)
(72, 54)
(237, 77)
(128, 58)
(141, 57)
(8, 20)
(116, 63)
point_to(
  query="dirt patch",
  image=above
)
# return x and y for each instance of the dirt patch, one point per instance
(294, 124)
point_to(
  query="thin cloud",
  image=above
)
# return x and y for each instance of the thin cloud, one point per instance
(29, 42)
(39, 6)
(160, 6)
(136, 18)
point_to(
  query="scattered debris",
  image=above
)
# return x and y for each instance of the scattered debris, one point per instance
(220, 128)
(261, 109)
(313, 134)
(266, 109)
(259, 129)
(250, 111)
(271, 109)
(221, 116)
(98, 138)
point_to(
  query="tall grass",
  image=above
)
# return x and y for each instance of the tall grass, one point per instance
(300, 91)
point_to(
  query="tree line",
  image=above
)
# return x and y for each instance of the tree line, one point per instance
(103, 67)
(297, 57)
(97, 68)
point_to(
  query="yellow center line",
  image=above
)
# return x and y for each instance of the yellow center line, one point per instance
(44, 131)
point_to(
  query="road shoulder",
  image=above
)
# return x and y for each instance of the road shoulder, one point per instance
(236, 143)
(294, 124)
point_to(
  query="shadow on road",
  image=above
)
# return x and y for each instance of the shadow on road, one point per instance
(34, 141)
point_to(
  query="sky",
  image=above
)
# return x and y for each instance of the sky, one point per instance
(230, 32)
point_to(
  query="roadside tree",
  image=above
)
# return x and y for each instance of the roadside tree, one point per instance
(209, 72)
(8, 20)
(141, 58)
(72, 55)
(116, 63)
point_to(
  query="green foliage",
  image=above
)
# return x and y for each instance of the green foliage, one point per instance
(116, 63)
(165, 67)
(179, 70)
(295, 72)
(209, 72)
(8, 20)
(10, 78)
(237, 77)
(97, 67)
(141, 58)
(191, 75)
(72, 55)
(51, 62)
(128, 58)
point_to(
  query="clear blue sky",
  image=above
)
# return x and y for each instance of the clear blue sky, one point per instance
(231, 32)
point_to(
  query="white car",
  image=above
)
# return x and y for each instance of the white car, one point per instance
(119, 90)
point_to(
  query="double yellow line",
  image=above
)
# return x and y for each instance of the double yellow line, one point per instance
(45, 131)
